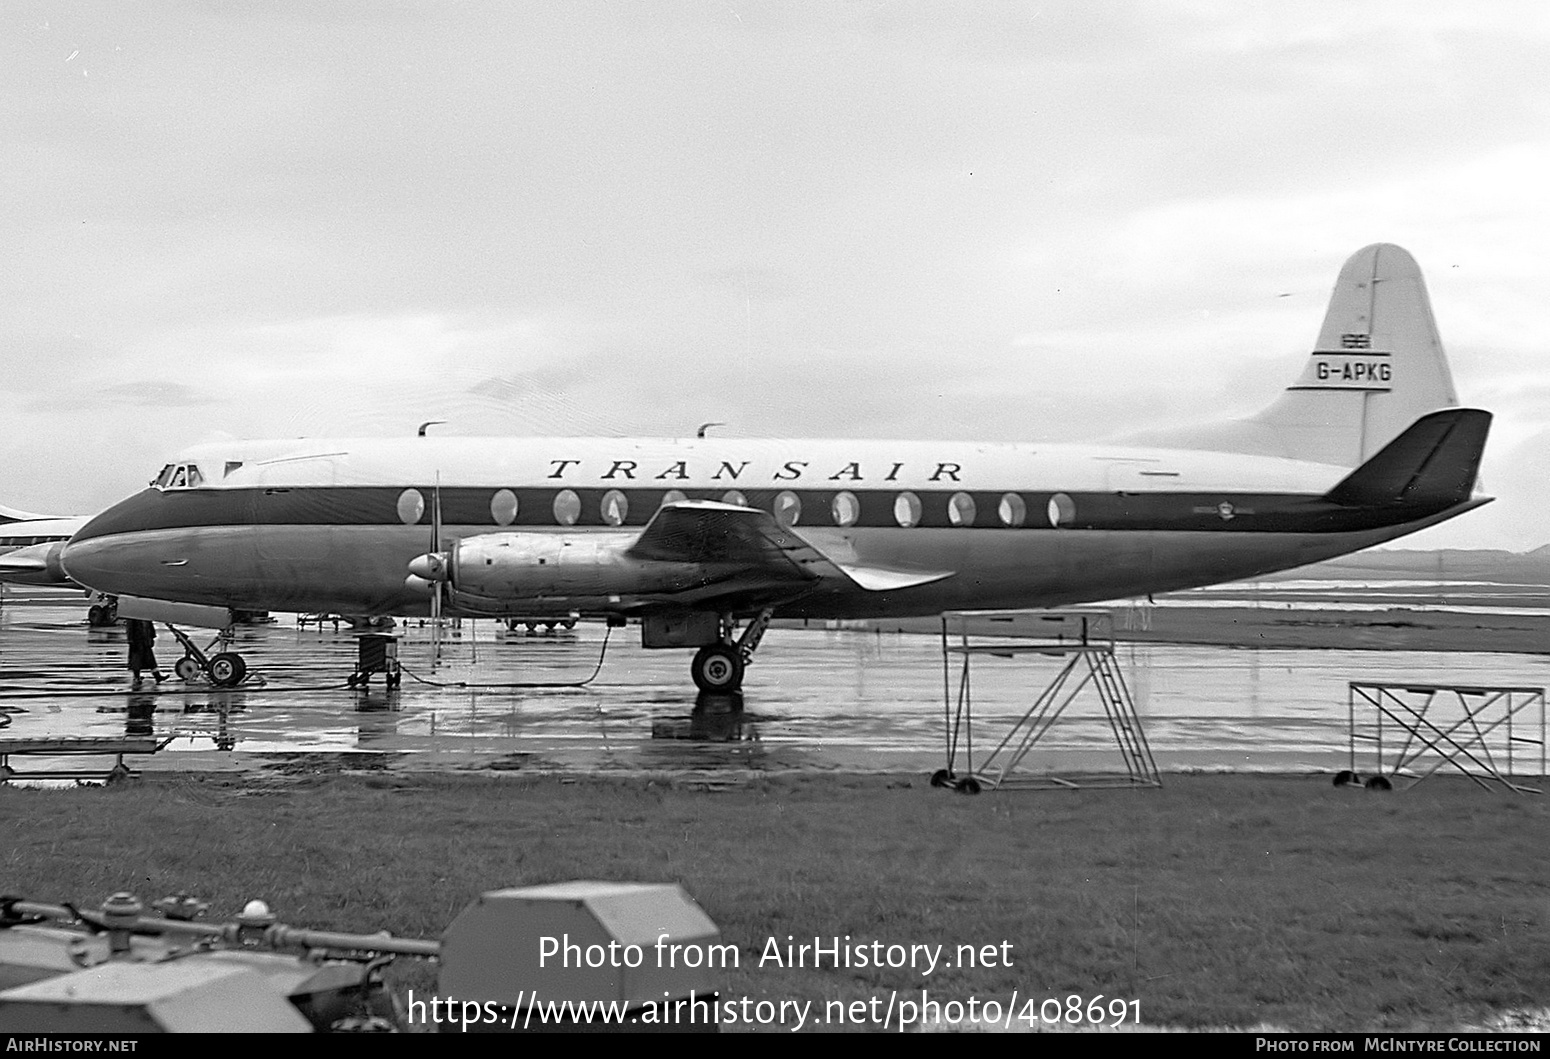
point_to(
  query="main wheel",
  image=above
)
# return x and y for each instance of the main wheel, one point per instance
(227, 670)
(718, 667)
(187, 669)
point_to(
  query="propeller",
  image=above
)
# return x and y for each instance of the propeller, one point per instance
(429, 573)
(439, 594)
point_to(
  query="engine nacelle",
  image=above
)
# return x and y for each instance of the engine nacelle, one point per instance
(511, 566)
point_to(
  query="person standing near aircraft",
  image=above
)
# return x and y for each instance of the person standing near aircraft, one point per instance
(142, 653)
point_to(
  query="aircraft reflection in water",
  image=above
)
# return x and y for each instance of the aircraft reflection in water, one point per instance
(693, 538)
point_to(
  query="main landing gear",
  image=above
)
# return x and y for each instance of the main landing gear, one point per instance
(103, 612)
(718, 667)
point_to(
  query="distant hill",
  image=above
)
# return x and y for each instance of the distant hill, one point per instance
(1449, 564)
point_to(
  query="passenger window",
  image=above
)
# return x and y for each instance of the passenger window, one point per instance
(1062, 510)
(503, 507)
(411, 506)
(567, 507)
(788, 508)
(845, 508)
(906, 509)
(673, 496)
(960, 510)
(732, 496)
(1012, 510)
(614, 507)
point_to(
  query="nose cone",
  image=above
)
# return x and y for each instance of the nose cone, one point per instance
(101, 563)
(110, 553)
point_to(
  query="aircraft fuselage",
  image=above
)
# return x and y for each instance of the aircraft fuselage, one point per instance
(334, 525)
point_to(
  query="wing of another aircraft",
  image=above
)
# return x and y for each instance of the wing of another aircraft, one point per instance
(706, 531)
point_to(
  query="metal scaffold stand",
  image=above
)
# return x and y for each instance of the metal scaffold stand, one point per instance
(1084, 641)
(1486, 733)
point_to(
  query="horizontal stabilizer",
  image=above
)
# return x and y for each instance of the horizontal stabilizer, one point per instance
(10, 514)
(1431, 464)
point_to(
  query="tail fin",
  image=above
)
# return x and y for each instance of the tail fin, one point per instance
(1432, 465)
(1377, 367)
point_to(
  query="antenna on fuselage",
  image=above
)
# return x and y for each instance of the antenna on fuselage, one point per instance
(700, 433)
(428, 424)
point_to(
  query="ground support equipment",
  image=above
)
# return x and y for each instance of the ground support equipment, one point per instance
(378, 653)
(1486, 733)
(75, 747)
(1084, 640)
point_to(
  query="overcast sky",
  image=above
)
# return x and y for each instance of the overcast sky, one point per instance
(1017, 221)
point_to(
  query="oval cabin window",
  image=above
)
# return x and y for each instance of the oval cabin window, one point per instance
(567, 507)
(1012, 511)
(788, 508)
(411, 506)
(960, 510)
(614, 507)
(1062, 510)
(845, 508)
(906, 509)
(503, 507)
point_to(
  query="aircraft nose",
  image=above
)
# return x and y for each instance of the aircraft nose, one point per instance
(101, 563)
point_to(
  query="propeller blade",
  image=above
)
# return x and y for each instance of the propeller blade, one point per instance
(438, 582)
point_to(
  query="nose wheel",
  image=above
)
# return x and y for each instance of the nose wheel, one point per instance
(225, 669)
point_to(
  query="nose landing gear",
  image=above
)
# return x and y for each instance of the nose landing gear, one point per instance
(224, 669)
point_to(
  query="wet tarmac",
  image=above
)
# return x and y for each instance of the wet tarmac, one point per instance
(587, 701)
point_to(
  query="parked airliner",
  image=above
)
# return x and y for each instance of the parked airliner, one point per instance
(30, 546)
(695, 537)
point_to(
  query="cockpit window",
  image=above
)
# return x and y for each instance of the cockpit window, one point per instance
(179, 476)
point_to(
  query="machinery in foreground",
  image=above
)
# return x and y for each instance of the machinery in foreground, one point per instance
(529, 958)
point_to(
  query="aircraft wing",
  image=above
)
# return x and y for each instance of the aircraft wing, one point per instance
(706, 531)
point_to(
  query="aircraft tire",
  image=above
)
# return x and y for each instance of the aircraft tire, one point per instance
(968, 785)
(227, 669)
(187, 669)
(1379, 783)
(941, 778)
(717, 667)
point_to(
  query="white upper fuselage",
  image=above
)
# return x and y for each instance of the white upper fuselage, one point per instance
(719, 463)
